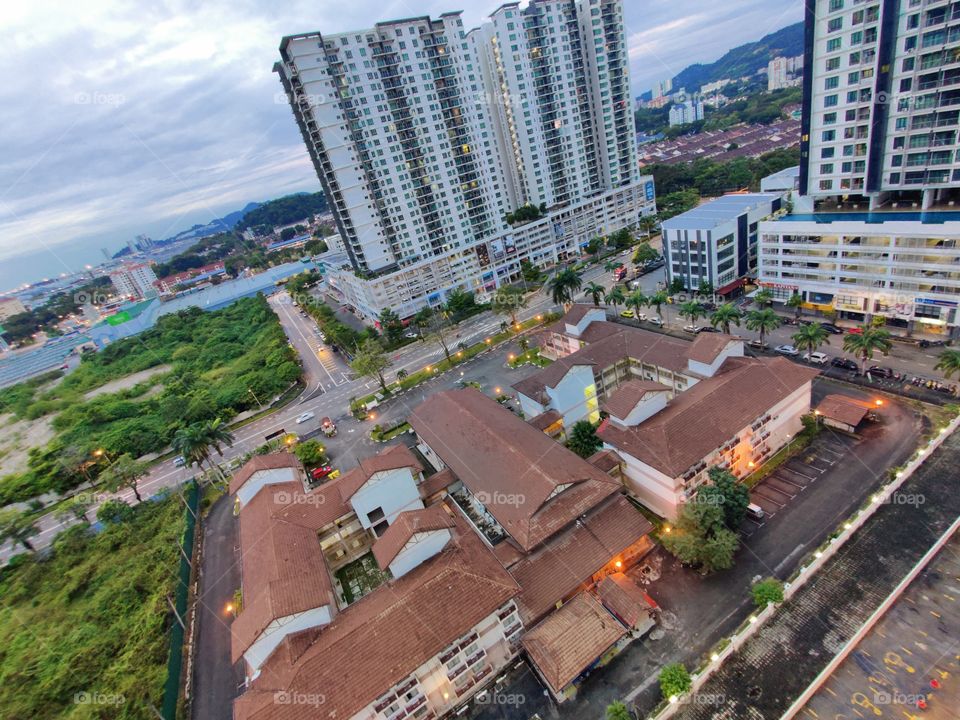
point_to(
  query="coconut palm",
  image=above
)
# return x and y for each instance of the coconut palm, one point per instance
(762, 321)
(636, 300)
(763, 298)
(657, 300)
(564, 285)
(610, 265)
(795, 301)
(725, 316)
(218, 435)
(615, 297)
(810, 338)
(692, 310)
(595, 292)
(865, 343)
(948, 363)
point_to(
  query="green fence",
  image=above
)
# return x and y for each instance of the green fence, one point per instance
(171, 691)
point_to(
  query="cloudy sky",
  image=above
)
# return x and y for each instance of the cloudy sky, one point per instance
(122, 117)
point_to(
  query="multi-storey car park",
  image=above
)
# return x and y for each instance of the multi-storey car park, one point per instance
(425, 137)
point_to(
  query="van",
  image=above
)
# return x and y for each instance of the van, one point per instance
(755, 512)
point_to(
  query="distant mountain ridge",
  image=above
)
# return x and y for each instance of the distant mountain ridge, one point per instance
(744, 60)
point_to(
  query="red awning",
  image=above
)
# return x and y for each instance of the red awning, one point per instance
(730, 287)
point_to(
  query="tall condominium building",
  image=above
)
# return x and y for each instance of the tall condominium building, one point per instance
(135, 281)
(881, 102)
(425, 138)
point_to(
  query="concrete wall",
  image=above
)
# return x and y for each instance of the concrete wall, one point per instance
(393, 491)
(574, 397)
(257, 654)
(419, 548)
(261, 479)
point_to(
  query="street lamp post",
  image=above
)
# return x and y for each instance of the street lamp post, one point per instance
(250, 390)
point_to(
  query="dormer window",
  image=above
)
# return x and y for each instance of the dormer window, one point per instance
(557, 490)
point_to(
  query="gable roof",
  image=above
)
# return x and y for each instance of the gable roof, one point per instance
(567, 642)
(624, 399)
(498, 455)
(404, 527)
(705, 416)
(708, 346)
(577, 312)
(379, 640)
(392, 458)
(257, 463)
(625, 599)
(843, 409)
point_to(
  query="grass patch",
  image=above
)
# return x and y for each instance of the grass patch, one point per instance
(91, 618)
(379, 434)
(529, 357)
(360, 577)
(793, 448)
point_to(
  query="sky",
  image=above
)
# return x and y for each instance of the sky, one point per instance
(123, 117)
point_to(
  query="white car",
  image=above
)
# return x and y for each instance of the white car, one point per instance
(304, 417)
(787, 350)
(692, 329)
(655, 321)
(817, 358)
(411, 335)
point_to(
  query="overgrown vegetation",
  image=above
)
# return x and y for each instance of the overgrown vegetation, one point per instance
(284, 211)
(84, 632)
(20, 328)
(221, 363)
(709, 177)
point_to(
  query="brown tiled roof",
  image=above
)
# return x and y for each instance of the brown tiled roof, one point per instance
(392, 458)
(708, 346)
(625, 599)
(379, 640)
(257, 463)
(569, 640)
(705, 416)
(569, 559)
(625, 398)
(437, 482)
(545, 419)
(606, 460)
(405, 526)
(283, 569)
(842, 409)
(517, 467)
(576, 312)
(641, 345)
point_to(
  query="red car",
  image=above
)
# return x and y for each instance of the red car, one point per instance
(855, 331)
(321, 472)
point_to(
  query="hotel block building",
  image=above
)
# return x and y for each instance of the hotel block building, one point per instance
(425, 137)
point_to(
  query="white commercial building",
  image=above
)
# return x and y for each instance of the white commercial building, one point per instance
(134, 281)
(425, 136)
(901, 269)
(717, 241)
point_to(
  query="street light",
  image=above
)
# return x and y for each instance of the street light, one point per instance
(250, 390)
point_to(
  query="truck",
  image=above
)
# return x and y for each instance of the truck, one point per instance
(620, 273)
(328, 426)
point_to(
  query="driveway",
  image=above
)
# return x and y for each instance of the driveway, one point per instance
(697, 611)
(215, 679)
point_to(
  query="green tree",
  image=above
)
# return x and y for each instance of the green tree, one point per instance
(618, 711)
(644, 254)
(564, 286)
(391, 325)
(460, 303)
(583, 439)
(701, 537)
(725, 316)
(810, 338)
(766, 592)
(948, 363)
(762, 321)
(674, 680)
(370, 361)
(795, 301)
(865, 343)
(422, 319)
(196, 441)
(621, 239)
(692, 310)
(648, 223)
(124, 472)
(114, 512)
(440, 329)
(657, 301)
(508, 301)
(594, 245)
(763, 297)
(635, 301)
(611, 265)
(530, 272)
(615, 297)
(595, 292)
(706, 287)
(17, 527)
(727, 493)
(311, 453)
(676, 286)
(76, 508)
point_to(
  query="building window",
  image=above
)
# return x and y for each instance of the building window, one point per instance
(835, 24)
(833, 44)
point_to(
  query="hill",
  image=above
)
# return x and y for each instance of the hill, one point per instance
(745, 59)
(284, 211)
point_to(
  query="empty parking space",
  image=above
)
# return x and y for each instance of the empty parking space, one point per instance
(794, 477)
(784, 485)
(772, 494)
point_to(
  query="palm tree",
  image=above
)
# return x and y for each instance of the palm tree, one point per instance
(636, 300)
(195, 442)
(762, 321)
(866, 342)
(595, 292)
(795, 301)
(948, 363)
(401, 374)
(218, 435)
(725, 315)
(610, 265)
(615, 297)
(18, 528)
(524, 343)
(692, 310)
(564, 285)
(657, 300)
(75, 508)
(763, 298)
(810, 338)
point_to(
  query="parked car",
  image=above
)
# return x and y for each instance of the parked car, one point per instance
(757, 345)
(708, 329)
(831, 328)
(655, 321)
(844, 364)
(692, 329)
(789, 350)
(411, 335)
(817, 358)
(755, 512)
(303, 417)
(855, 331)
(321, 472)
(878, 371)
(179, 461)
(626, 313)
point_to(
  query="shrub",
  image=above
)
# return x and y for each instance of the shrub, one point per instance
(766, 592)
(674, 680)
